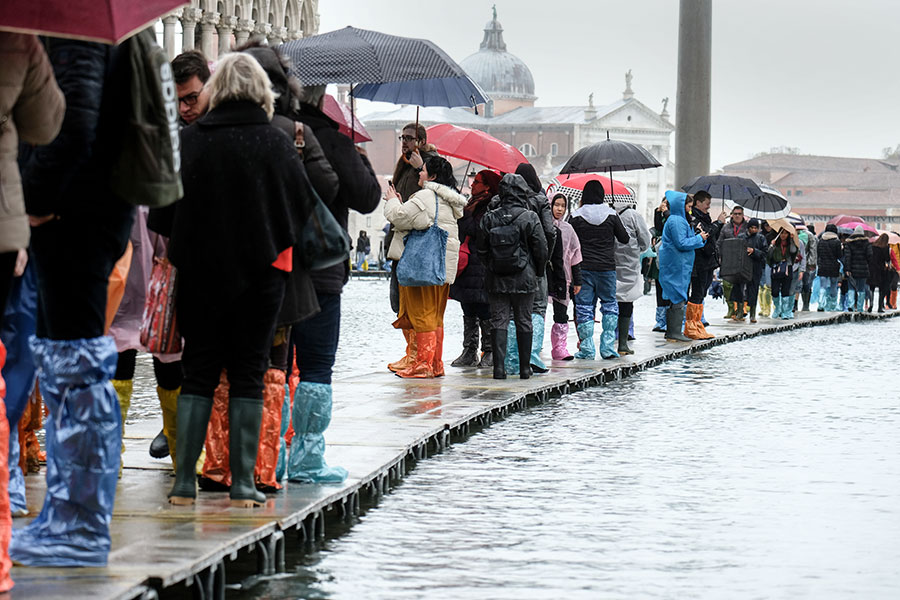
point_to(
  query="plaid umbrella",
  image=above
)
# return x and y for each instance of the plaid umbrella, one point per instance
(726, 187)
(769, 205)
(573, 186)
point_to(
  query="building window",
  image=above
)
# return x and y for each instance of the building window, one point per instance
(789, 192)
(798, 192)
(528, 150)
(554, 149)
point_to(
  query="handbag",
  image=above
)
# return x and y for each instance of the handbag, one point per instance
(463, 260)
(424, 256)
(323, 242)
(159, 326)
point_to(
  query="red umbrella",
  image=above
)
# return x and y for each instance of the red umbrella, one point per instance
(475, 146)
(572, 186)
(340, 113)
(109, 21)
(841, 219)
(867, 229)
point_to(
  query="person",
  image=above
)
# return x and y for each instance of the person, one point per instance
(598, 227)
(757, 249)
(629, 283)
(800, 271)
(363, 247)
(857, 254)
(570, 250)
(422, 307)
(243, 179)
(783, 256)
(468, 289)
(190, 69)
(894, 275)
(879, 271)
(70, 205)
(734, 228)
(705, 263)
(511, 245)
(660, 214)
(829, 252)
(676, 261)
(809, 277)
(315, 340)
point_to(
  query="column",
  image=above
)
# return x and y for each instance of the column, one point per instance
(661, 174)
(295, 34)
(207, 30)
(189, 19)
(169, 35)
(693, 98)
(243, 30)
(225, 28)
(263, 29)
(277, 36)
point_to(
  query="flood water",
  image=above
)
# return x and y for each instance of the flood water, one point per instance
(768, 468)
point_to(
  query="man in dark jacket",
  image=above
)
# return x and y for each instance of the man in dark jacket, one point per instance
(706, 260)
(757, 248)
(79, 231)
(191, 72)
(598, 227)
(857, 252)
(829, 252)
(732, 229)
(512, 247)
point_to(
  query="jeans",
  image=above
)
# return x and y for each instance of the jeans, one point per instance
(360, 259)
(596, 285)
(316, 340)
(516, 305)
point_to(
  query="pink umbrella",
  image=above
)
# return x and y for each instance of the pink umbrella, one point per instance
(342, 115)
(867, 229)
(893, 238)
(475, 146)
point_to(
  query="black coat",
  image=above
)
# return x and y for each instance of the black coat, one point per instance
(469, 285)
(828, 254)
(760, 252)
(358, 187)
(857, 252)
(879, 269)
(513, 197)
(706, 258)
(598, 242)
(243, 204)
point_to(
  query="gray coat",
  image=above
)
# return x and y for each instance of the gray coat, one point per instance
(629, 282)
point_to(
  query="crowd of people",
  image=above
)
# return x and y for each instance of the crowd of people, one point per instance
(260, 322)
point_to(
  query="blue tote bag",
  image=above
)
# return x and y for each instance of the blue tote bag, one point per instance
(424, 256)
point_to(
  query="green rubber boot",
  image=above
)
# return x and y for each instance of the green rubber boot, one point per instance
(244, 419)
(193, 418)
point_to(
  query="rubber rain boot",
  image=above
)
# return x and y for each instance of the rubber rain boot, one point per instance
(537, 343)
(623, 348)
(586, 348)
(469, 356)
(609, 323)
(215, 475)
(660, 326)
(18, 504)
(83, 436)
(281, 467)
(674, 318)
(423, 367)
(168, 403)
(124, 388)
(737, 313)
(269, 432)
(559, 336)
(805, 296)
(244, 417)
(6, 582)
(487, 345)
(753, 314)
(512, 350)
(437, 363)
(499, 340)
(524, 341)
(193, 419)
(311, 416)
(159, 446)
(410, 356)
(726, 290)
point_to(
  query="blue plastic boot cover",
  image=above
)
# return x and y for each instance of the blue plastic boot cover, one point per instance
(512, 350)
(18, 328)
(586, 339)
(787, 307)
(702, 315)
(860, 301)
(83, 438)
(661, 317)
(312, 414)
(281, 465)
(17, 504)
(631, 328)
(608, 336)
(537, 340)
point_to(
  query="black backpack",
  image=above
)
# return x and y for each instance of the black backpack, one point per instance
(508, 253)
(146, 169)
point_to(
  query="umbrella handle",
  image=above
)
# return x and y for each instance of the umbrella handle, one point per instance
(352, 117)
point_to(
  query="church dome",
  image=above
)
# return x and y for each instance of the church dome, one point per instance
(499, 73)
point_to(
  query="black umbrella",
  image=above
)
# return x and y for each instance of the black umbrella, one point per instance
(726, 187)
(771, 205)
(610, 155)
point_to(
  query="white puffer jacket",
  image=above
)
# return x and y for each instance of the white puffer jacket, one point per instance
(418, 213)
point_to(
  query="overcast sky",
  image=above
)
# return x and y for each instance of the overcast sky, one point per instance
(819, 75)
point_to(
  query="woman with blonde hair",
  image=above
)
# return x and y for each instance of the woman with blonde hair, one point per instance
(246, 196)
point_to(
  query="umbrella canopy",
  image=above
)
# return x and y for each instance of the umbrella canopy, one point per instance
(475, 146)
(779, 224)
(770, 205)
(841, 219)
(109, 21)
(610, 155)
(867, 229)
(573, 185)
(727, 187)
(893, 238)
(340, 114)
(797, 221)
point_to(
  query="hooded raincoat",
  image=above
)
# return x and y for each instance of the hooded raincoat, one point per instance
(629, 281)
(571, 253)
(676, 250)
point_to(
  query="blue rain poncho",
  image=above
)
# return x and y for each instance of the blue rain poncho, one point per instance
(676, 250)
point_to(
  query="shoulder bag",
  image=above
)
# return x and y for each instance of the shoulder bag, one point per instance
(423, 262)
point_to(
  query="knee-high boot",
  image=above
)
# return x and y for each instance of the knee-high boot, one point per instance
(83, 438)
(6, 582)
(469, 356)
(410, 356)
(609, 324)
(512, 350)
(586, 349)
(281, 467)
(559, 336)
(216, 473)
(264, 474)
(499, 340)
(437, 363)
(623, 336)
(124, 388)
(168, 402)
(193, 419)
(523, 340)
(244, 419)
(423, 366)
(311, 416)
(487, 344)
(537, 343)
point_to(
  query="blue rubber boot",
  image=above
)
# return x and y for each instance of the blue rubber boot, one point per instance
(512, 350)
(281, 465)
(585, 340)
(776, 307)
(537, 342)
(17, 504)
(660, 319)
(787, 307)
(608, 336)
(83, 439)
(311, 416)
